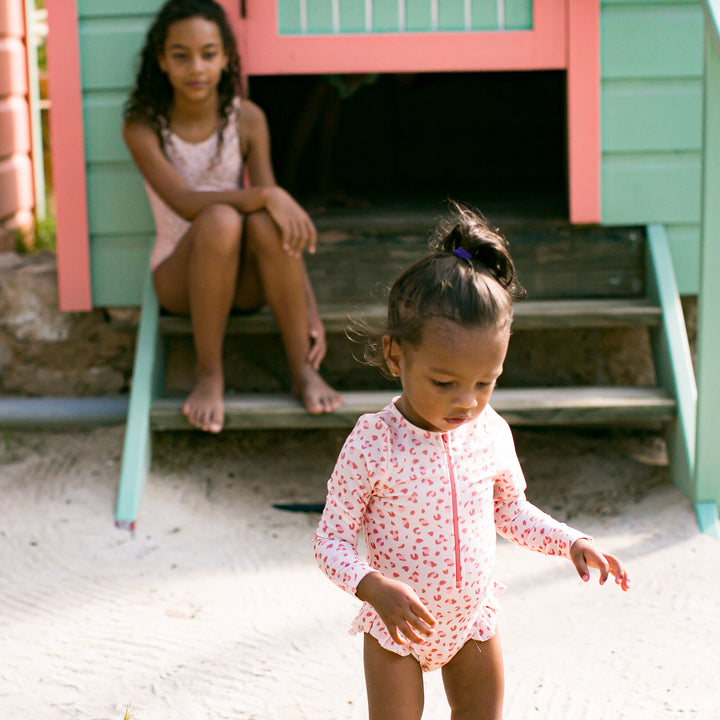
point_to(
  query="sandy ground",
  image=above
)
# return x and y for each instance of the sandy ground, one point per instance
(215, 609)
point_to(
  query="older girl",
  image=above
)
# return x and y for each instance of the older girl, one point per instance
(219, 246)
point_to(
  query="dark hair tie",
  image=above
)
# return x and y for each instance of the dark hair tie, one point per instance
(461, 252)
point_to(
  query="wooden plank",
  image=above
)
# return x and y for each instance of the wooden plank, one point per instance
(113, 8)
(109, 50)
(707, 478)
(289, 19)
(651, 187)
(652, 115)
(68, 160)
(352, 16)
(118, 264)
(529, 315)
(518, 14)
(651, 40)
(684, 241)
(527, 406)
(673, 362)
(117, 201)
(103, 112)
(554, 261)
(137, 444)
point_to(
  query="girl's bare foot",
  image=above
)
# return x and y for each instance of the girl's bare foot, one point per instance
(317, 396)
(204, 406)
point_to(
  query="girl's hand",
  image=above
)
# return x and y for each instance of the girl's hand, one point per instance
(296, 228)
(318, 346)
(585, 554)
(398, 606)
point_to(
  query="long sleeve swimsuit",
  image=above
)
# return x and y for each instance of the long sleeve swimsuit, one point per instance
(430, 505)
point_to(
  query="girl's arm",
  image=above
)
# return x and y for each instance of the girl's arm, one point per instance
(297, 229)
(158, 171)
(523, 523)
(350, 489)
(295, 225)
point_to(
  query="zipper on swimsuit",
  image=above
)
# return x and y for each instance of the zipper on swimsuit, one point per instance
(453, 495)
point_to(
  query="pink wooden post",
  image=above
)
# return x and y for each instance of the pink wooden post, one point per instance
(17, 196)
(68, 155)
(583, 98)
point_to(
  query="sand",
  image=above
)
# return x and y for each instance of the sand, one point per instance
(215, 609)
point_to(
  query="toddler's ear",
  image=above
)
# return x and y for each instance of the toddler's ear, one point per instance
(393, 355)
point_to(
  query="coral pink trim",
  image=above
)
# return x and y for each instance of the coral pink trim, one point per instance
(68, 156)
(271, 54)
(583, 93)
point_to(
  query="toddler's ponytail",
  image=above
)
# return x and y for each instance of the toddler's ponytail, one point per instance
(467, 235)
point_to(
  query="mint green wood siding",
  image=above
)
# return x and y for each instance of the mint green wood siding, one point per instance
(651, 99)
(327, 17)
(119, 217)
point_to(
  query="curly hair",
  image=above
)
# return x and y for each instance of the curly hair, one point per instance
(151, 97)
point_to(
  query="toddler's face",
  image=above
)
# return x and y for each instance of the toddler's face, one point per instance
(448, 378)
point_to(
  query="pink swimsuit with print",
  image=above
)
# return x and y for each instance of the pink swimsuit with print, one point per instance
(430, 505)
(203, 168)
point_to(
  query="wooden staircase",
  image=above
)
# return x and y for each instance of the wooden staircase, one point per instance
(577, 278)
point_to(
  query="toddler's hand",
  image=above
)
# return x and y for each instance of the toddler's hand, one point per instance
(398, 606)
(585, 554)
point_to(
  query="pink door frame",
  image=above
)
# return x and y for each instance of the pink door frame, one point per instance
(566, 35)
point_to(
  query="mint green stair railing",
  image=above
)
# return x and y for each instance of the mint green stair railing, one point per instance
(148, 370)
(707, 456)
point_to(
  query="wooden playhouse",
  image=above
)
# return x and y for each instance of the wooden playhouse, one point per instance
(639, 99)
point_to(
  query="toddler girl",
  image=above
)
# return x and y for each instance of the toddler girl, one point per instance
(431, 479)
(219, 246)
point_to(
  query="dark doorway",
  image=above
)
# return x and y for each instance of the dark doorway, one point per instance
(495, 139)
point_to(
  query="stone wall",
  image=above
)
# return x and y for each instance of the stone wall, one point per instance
(45, 352)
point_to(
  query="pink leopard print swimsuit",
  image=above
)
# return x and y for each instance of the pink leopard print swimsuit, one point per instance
(430, 505)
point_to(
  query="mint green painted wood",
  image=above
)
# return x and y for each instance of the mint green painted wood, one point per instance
(651, 187)
(118, 265)
(707, 477)
(652, 115)
(484, 15)
(418, 15)
(136, 455)
(707, 515)
(319, 17)
(117, 201)
(289, 21)
(114, 8)
(673, 361)
(518, 14)
(684, 242)
(109, 50)
(103, 117)
(385, 16)
(649, 2)
(651, 40)
(352, 16)
(451, 15)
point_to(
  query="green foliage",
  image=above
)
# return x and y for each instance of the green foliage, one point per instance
(39, 239)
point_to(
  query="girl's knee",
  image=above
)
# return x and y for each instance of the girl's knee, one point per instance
(218, 228)
(261, 233)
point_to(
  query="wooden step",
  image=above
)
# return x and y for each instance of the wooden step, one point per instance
(529, 315)
(519, 406)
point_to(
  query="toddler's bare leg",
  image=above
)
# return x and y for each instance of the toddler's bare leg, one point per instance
(199, 279)
(394, 683)
(283, 285)
(474, 681)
